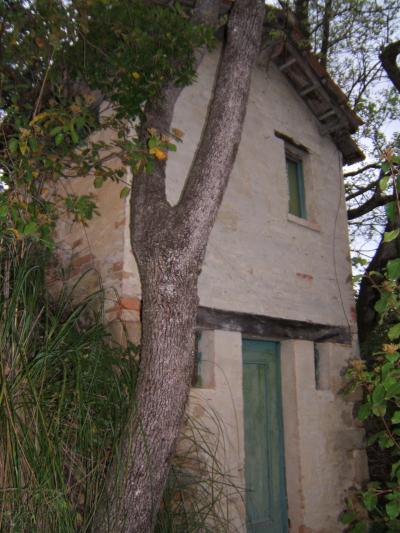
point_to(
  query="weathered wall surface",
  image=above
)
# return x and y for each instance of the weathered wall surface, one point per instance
(97, 253)
(218, 406)
(259, 260)
(324, 449)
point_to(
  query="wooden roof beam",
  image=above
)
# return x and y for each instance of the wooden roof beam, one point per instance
(327, 114)
(307, 90)
(288, 63)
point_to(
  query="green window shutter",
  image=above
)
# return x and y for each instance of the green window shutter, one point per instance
(296, 187)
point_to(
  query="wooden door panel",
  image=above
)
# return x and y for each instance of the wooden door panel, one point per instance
(264, 464)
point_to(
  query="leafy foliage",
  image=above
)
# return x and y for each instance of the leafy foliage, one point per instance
(69, 72)
(379, 379)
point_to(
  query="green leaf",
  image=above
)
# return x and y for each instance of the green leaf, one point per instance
(149, 167)
(385, 167)
(370, 500)
(393, 269)
(396, 417)
(3, 211)
(348, 517)
(30, 228)
(33, 144)
(393, 509)
(379, 409)
(373, 438)
(54, 131)
(152, 143)
(124, 192)
(396, 470)
(80, 121)
(98, 181)
(364, 412)
(394, 390)
(383, 183)
(386, 368)
(360, 527)
(381, 305)
(394, 332)
(390, 209)
(74, 136)
(389, 382)
(379, 394)
(391, 235)
(13, 146)
(59, 139)
(385, 441)
(392, 357)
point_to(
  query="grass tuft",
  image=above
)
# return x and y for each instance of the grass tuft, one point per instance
(65, 387)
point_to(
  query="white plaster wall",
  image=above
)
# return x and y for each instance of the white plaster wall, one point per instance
(257, 260)
(324, 449)
(222, 399)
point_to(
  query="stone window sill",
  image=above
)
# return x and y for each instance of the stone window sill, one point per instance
(303, 222)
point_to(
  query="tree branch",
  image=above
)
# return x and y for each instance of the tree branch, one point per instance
(326, 27)
(216, 153)
(148, 191)
(361, 170)
(377, 200)
(362, 190)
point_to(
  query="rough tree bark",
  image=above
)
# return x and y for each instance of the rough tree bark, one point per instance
(367, 317)
(301, 9)
(388, 58)
(169, 244)
(326, 29)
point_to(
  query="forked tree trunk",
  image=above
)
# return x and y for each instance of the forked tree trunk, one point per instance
(169, 244)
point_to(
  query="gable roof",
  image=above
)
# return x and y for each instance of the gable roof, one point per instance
(313, 83)
(309, 77)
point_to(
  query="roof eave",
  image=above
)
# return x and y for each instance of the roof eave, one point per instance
(315, 86)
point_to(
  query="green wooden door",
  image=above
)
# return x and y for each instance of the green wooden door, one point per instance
(266, 506)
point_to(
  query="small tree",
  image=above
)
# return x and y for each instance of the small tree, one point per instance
(60, 63)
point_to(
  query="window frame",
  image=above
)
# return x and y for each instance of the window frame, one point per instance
(301, 196)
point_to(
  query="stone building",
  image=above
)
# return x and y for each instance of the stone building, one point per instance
(277, 320)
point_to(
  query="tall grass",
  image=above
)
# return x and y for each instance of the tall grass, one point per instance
(201, 494)
(64, 394)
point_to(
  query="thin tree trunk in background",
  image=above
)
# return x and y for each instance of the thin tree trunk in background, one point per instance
(169, 244)
(388, 58)
(301, 10)
(326, 28)
(367, 317)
